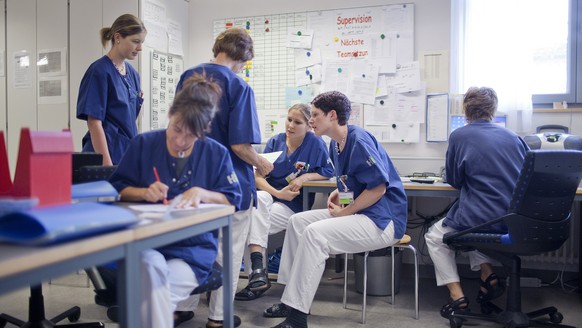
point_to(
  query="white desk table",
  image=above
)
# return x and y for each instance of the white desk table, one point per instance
(22, 266)
(437, 189)
(412, 189)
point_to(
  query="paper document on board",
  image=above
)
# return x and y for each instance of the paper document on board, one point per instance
(271, 157)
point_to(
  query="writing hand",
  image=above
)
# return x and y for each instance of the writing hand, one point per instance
(156, 192)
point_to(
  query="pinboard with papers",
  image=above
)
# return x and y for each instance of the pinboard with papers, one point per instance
(365, 52)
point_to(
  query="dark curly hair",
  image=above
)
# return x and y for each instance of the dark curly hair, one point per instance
(334, 100)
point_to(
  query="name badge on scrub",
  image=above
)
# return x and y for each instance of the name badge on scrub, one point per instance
(346, 197)
(291, 177)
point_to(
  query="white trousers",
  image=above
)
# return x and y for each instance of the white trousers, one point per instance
(310, 238)
(239, 230)
(165, 285)
(443, 257)
(269, 218)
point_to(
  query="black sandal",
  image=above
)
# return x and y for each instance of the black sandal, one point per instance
(284, 324)
(247, 294)
(278, 310)
(219, 323)
(258, 280)
(492, 291)
(460, 305)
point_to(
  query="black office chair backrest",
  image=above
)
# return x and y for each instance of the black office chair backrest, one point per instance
(538, 218)
(547, 184)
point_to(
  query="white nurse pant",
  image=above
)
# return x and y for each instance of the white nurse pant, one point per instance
(164, 286)
(443, 257)
(310, 238)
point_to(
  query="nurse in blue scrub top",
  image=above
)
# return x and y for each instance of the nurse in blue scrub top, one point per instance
(110, 95)
(235, 126)
(187, 164)
(303, 158)
(367, 211)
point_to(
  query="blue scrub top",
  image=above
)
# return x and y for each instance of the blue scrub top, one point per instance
(113, 99)
(208, 166)
(364, 164)
(236, 121)
(310, 157)
(483, 161)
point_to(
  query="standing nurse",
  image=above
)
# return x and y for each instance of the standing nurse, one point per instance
(110, 95)
(236, 126)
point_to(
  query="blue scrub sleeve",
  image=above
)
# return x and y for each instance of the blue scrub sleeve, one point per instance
(368, 166)
(128, 170)
(92, 100)
(243, 121)
(227, 183)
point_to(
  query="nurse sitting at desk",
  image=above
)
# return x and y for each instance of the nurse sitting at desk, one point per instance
(198, 168)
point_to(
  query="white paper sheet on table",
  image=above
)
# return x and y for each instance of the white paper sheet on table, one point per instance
(160, 208)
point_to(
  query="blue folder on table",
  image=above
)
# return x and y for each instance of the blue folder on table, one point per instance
(97, 191)
(52, 224)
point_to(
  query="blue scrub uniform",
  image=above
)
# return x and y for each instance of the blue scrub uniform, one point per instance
(236, 121)
(310, 157)
(363, 164)
(483, 161)
(208, 167)
(113, 99)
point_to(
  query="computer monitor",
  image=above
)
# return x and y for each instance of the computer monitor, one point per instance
(458, 121)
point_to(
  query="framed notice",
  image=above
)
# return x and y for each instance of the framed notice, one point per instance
(437, 113)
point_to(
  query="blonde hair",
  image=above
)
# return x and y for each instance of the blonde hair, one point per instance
(303, 109)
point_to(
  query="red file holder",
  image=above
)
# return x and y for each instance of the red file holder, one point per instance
(43, 169)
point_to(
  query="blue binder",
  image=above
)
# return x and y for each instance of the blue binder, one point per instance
(53, 224)
(97, 191)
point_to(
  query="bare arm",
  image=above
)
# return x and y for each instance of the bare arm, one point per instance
(367, 198)
(196, 195)
(247, 153)
(156, 192)
(297, 183)
(285, 193)
(98, 139)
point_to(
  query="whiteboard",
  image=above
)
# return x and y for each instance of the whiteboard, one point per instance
(296, 54)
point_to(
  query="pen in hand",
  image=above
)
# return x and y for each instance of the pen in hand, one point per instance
(165, 201)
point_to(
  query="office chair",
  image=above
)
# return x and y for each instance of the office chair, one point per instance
(36, 316)
(538, 221)
(404, 243)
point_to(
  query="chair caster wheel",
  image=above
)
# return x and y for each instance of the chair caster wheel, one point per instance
(455, 322)
(556, 317)
(74, 317)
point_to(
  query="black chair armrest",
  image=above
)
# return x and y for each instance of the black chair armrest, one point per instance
(449, 237)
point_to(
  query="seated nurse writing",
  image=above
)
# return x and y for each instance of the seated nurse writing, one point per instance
(191, 165)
